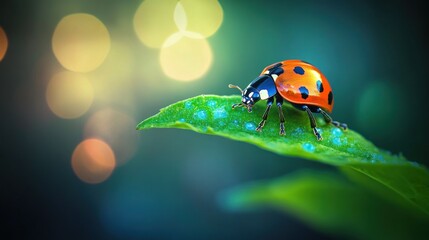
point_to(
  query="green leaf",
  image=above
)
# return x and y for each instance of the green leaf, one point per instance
(211, 114)
(408, 182)
(331, 204)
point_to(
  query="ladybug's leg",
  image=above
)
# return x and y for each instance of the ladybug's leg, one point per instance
(328, 119)
(312, 123)
(265, 116)
(279, 102)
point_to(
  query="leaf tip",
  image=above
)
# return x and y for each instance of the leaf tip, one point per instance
(141, 125)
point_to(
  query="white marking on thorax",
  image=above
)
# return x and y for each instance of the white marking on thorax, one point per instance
(274, 76)
(264, 94)
(250, 94)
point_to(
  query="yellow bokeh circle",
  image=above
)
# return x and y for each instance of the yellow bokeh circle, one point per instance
(154, 21)
(113, 81)
(184, 58)
(80, 42)
(93, 161)
(69, 95)
(203, 17)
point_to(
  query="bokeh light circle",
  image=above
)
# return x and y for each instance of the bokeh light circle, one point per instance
(185, 59)
(93, 161)
(80, 42)
(113, 81)
(203, 17)
(69, 95)
(180, 17)
(3, 43)
(117, 129)
(154, 21)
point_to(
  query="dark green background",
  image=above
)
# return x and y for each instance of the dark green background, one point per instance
(169, 189)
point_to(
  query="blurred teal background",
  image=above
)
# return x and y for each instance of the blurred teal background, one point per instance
(165, 183)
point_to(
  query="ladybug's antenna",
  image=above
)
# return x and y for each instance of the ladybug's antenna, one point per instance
(234, 86)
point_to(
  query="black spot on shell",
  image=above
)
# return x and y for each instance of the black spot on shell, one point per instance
(304, 92)
(275, 66)
(330, 97)
(299, 70)
(278, 71)
(319, 86)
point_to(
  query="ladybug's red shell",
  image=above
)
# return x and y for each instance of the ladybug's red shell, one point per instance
(302, 83)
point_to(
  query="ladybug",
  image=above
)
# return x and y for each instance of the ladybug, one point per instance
(297, 82)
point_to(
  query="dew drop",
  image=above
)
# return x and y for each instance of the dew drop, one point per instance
(415, 164)
(336, 132)
(308, 147)
(201, 115)
(235, 123)
(219, 113)
(250, 126)
(351, 150)
(336, 141)
(182, 120)
(297, 132)
(376, 158)
(211, 103)
(188, 105)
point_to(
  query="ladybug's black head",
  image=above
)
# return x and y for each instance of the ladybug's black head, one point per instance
(248, 97)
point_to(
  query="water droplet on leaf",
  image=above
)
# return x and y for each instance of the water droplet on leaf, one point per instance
(250, 126)
(308, 147)
(200, 115)
(219, 113)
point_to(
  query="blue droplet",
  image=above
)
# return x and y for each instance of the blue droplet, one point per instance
(376, 158)
(351, 150)
(188, 105)
(308, 147)
(219, 113)
(250, 126)
(297, 132)
(211, 103)
(235, 123)
(415, 164)
(182, 120)
(336, 132)
(336, 141)
(201, 115)
(299, 70)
